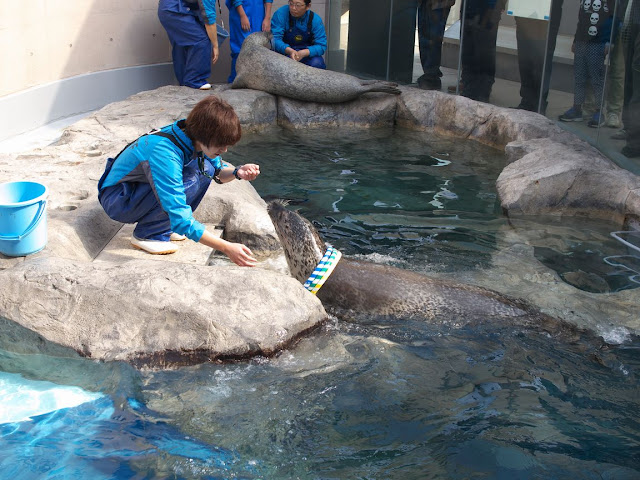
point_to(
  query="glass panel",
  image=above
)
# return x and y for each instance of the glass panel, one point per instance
(381, 39)
(337, 35)
(622, 145)
(516, 53)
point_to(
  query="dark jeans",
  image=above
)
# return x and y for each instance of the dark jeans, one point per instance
(531, 36)
(431, 25)
(480, 33)
(631, 108)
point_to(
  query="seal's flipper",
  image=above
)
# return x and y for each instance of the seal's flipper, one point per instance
(383, 87)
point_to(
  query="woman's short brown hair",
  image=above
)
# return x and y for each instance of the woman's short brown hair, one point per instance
(213, 122)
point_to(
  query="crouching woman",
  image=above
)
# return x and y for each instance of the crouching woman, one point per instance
(158, 180)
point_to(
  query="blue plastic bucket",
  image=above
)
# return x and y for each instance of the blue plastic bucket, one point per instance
(23, 218)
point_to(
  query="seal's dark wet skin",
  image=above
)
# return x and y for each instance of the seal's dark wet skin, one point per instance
(362, 288)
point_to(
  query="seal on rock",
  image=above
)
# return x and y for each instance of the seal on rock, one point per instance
(260, 68)
(357, 288)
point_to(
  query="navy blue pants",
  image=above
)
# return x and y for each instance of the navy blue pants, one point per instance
(315, 62)
(136, 202)
(190, 45)
(431, 25)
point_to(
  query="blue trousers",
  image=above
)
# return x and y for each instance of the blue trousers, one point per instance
(315, 62)
(431, 25)
(136, 202)
(255, 11)
(190, 46)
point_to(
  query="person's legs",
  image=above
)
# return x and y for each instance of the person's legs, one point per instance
(596, 72)
(431, 25)
(486, 57)
(254, 10)
(469, 73)
(137, 203)
(315, 62)
(554, 28)
(615, 85)
(580, 75)
(191, 48)
(531, 39)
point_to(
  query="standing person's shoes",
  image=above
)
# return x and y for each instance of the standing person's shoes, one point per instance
(597, 120)
(572, 115)
(429, 83)
(613, 120)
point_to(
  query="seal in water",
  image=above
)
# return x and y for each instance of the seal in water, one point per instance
(357, 288)
(260, 68)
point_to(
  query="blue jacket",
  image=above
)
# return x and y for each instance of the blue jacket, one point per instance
(206, 8)
(159, 162)
(235, 3)
(280, 23)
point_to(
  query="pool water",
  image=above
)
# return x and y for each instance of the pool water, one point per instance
(363, 399)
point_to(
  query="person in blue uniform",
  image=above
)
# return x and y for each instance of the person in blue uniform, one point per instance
(192, 31)
(158, 180)
(245, 17)
(299, 33)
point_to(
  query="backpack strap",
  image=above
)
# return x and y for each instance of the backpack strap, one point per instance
(309, 22)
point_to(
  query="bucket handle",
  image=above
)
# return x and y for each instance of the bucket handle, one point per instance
(41, 210)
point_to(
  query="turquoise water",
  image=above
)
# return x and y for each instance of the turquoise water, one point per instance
(364, 399)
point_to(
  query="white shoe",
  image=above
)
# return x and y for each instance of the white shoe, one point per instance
(176, 237)
(206, 86)
(613, 120)
(154, 247)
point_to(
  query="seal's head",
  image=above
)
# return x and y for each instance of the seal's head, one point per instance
(301, 242)
(261, 39)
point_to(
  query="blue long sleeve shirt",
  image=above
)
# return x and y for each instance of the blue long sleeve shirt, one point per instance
(205, 8)
(235, 3)
(159, 162)
(280, 23)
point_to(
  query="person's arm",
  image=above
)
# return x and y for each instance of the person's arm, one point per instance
(243, 172)
(208, 15)
(238, 253)
(278, 25)
(212, 33)
(266, 23)
(244, 20)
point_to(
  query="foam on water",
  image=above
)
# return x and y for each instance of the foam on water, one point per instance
(22, 399)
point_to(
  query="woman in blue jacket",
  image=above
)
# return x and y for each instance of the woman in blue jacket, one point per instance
(299, 34)
(192, 31)
(245, 17)
(158, 180)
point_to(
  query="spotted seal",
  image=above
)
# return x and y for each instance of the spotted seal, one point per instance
(383, 291)
(260, 68)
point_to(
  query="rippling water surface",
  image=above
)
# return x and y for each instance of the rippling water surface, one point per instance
(367, 399)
